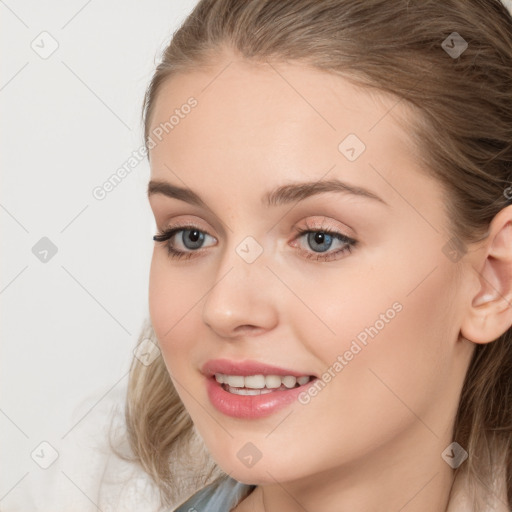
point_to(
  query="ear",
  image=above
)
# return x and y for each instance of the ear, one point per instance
(490, 312)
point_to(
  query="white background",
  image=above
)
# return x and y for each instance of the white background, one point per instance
(70, 324)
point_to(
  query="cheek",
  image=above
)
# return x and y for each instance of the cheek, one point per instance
(173, 299)
(387, 321)
(394, 341)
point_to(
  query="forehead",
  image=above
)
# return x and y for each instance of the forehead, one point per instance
(256, 123)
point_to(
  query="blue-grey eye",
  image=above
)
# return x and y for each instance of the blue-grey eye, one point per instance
(192, 236)
(319, 237)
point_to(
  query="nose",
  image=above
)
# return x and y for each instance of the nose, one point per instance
(242, 298)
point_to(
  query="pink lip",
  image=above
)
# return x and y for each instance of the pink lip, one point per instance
(249, 406)
(244, 368)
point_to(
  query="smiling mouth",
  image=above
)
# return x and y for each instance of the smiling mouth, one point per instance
(260, 384)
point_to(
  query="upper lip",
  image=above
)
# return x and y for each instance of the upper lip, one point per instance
(247, 367)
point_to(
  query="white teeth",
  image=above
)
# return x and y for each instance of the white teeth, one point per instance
(243, 391)
(254, 381)
(272, 381)
(260, 382)
(235, 381)
(289, 381)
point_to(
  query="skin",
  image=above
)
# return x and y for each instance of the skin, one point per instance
(372, 438)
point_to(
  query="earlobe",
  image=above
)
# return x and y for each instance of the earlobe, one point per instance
(489, 314)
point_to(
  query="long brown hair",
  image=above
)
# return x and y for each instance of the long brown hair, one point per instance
(463, 134)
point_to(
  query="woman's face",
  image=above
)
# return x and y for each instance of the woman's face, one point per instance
(376, 322)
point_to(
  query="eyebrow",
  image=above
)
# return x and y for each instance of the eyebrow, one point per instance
(281, 195)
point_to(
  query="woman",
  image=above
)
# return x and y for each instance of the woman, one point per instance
(331, 280)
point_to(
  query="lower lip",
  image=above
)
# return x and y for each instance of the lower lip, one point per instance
(251, 406)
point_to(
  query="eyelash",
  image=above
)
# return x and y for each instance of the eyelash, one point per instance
(167, 234)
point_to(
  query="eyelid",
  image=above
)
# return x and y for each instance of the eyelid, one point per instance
(319, 225)
(166, 216)
(324, 223)
(176, 228)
